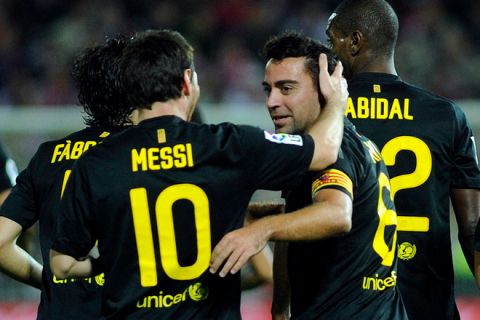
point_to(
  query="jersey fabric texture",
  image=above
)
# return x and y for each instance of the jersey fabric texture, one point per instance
(36, 197)
(428, 147)
(351, 276)
(158, 197)
(8, 170)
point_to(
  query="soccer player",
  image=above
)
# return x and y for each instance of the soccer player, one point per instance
(8, 174)
(39, 187)
(340, 223)
(158, 196)
(429, 150)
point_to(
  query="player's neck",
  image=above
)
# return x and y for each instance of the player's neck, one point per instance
(159, 109)
(377, 65)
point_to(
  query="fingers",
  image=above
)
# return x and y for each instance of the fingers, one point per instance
(232, 258)
(338, 72)
(324, 77)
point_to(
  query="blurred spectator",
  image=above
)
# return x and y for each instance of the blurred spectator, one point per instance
(438, 44)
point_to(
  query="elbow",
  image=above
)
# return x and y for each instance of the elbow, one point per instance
(344, 222)
(324, 158)
(59, 266)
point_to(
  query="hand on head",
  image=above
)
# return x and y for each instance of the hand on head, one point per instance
(333, 87)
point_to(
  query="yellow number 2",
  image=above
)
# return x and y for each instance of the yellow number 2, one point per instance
(414, 179)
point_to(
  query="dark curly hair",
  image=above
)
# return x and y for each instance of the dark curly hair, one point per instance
(96, 74)
(293, 44)
(153, 66)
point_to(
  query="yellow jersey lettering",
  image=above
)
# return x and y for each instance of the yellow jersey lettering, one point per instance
(167, 159)
(362, 107)
(179, 156)
(350, 112)
(379, 284)
(406, 110)
(195, 292)
(382, 108)
(65, 151)
(378, 108)
(139, 158)
(153, 159)
(77, 149)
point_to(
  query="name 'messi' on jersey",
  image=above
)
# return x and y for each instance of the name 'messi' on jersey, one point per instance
(378, 108)
(177, 156)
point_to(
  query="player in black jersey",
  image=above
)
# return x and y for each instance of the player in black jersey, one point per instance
(8, 173)
(429, 150)
(36, 196)
(160, 195)
(341, 222)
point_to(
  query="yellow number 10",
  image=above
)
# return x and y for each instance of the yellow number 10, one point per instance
(166, 233)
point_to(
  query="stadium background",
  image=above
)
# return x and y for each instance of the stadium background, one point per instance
(438, 49)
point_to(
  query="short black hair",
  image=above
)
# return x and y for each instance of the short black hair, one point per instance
(96, 75)
(153, 66)
(376, 19)
(293, 44)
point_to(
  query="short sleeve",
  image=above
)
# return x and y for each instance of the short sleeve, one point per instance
(276, 161)
(465, 170)
(20, 206)
(8, 170)
(73, 230)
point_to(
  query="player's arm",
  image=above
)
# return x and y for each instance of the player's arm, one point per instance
(466, 205)
(65, 266)
(4, 194)
(330, 215)
(14, 261)
(327, 131)
(281, 285)
(477, 254)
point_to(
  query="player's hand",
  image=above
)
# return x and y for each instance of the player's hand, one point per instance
(333, 87)
(236, 248)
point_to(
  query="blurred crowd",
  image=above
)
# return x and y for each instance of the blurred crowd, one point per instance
(438, 48)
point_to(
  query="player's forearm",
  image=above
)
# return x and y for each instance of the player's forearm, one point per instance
(19, 265)
(261, 209)
(327, 133)
(477, 268)
(318, 221)
(64, 266)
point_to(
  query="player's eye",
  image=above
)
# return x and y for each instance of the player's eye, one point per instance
(286, 89)
(267, 90)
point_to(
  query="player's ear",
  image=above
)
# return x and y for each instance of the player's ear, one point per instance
(356, 42)
(187, 81)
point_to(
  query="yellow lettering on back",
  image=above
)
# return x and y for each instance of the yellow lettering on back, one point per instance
(350, 112)
(382, 108)
(139, 159)
(362, 105)
(395, 110)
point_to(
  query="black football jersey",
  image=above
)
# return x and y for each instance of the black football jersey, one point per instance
(429, 148)
(158, 197)
(351, 276)
(8, 170)
(36, 197)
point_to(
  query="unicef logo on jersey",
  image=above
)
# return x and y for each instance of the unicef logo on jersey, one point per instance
(198, 292)
(406, 251)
